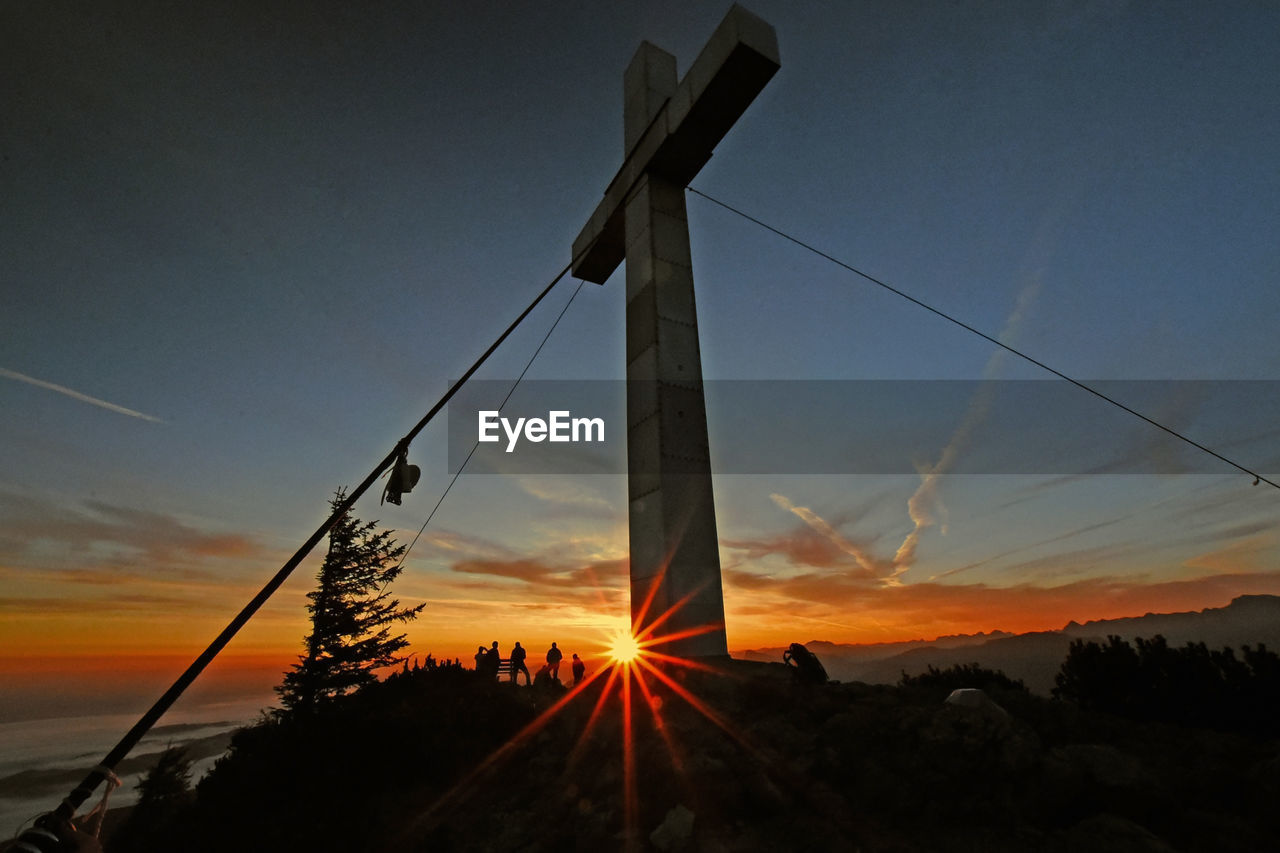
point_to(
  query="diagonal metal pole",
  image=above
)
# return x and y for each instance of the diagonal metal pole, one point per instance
(67, 808)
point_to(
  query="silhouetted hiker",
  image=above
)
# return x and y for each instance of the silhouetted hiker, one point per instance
(554, 656)
(492, 661)
(542, 677)
(517, 664)
(480, 658)
(806, 668)
(579, 669)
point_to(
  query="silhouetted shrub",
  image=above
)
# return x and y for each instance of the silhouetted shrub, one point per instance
(164, 797)
(428, 760)
(330, 780)
(1192, 685)
(960, 676)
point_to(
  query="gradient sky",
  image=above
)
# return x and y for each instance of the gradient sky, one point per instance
(245, 246)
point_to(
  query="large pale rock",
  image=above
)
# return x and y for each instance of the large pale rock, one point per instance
(675, 831)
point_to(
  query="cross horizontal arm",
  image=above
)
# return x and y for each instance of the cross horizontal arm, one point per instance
(737, 62)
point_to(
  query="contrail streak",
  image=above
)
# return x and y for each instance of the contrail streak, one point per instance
(922, 506)
(865, 560)
(76, 395)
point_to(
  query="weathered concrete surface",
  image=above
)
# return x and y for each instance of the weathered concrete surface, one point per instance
(669, 131)
(677, 138)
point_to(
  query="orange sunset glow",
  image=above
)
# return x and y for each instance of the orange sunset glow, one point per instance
(116, 636)
(211, 325)
(859, 422)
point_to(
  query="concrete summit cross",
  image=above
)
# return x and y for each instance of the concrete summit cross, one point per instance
(670, 130)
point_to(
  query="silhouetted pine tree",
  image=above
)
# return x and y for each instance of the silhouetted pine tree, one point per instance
(351, 616)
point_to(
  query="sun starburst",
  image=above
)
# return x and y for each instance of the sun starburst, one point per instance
(624, 648)
(641, 662)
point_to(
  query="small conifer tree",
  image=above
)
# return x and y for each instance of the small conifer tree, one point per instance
(167, 783)
(163, 795)
(351, 616)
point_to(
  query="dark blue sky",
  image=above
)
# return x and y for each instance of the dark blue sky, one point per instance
(282, 228)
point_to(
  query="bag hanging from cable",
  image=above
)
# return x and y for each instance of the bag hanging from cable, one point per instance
(402, 479)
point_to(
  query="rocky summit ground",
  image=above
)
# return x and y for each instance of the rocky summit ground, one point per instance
(444, 760)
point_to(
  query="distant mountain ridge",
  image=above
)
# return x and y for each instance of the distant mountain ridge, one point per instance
(1036, 657)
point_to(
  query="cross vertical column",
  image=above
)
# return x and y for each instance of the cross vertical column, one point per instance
(670, 130)
(675, 559)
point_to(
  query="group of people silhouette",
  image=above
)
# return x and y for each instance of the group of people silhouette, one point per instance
(489, 662)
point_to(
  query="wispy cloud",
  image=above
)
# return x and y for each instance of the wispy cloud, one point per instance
(818, 544)
(995, 558)
(131, 603)
(925, 506)
(76, 395)
(538, 572)
(35, 533)
(452, 544)
(1243, 555)
(936, 609)
(574, 496)
(542, 583)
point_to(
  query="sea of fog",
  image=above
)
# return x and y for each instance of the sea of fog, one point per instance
(79, 743)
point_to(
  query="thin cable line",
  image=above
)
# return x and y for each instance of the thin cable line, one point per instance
(501, 405)
(81, 792)
(1256, 476)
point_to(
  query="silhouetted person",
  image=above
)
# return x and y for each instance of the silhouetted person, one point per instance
(517, 664)
(579, 669)
(543, 676)
(480, 656)
(492, 661)
(805, 666)
(554, 656)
